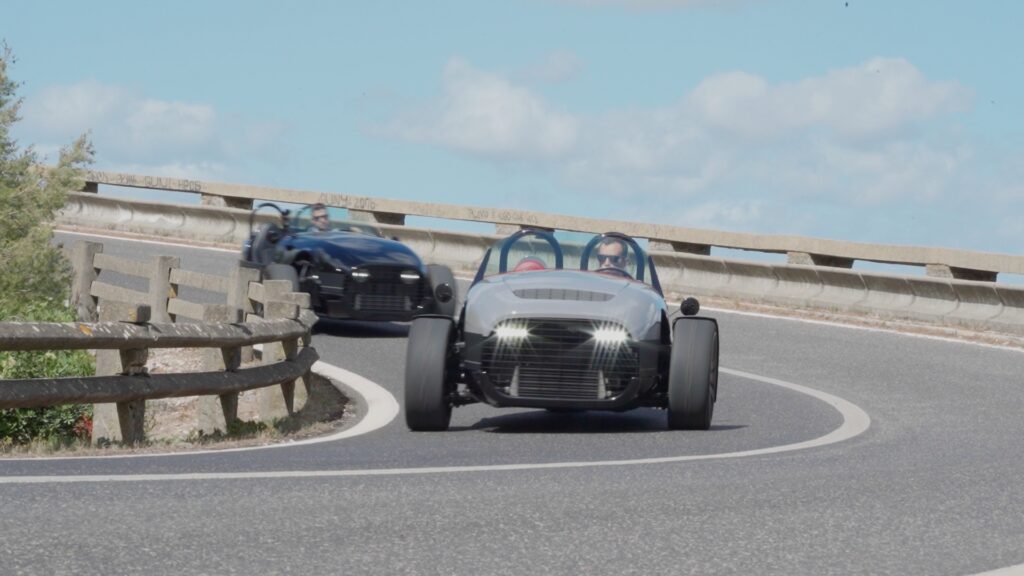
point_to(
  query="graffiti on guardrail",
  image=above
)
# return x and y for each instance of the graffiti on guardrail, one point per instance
(346, 201)
(503, 216)
(136, 181)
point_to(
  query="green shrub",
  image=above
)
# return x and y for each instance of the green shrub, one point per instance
(22, 425)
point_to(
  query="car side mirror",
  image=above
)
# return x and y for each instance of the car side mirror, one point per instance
(443, 293)
(690, 307)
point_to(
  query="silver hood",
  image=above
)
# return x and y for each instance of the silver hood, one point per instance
(566, 294)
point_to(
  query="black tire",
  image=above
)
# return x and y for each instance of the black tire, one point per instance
(443, 275)
(427, 406)
(282, 272)
(693, 374)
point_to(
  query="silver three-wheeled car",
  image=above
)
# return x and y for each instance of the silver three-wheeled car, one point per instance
(564, 327)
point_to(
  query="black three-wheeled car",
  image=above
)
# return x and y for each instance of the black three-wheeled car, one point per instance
(350, 270)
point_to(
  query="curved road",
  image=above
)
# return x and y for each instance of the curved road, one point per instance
(933, 486)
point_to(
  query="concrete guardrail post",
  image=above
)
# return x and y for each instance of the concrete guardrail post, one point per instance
(806, 259)
(377, 217)
(685, 247)
(85, 274)
(238, 298)
(279, 402)
(219, 412)
(944, 271)
(225, 201)
(160, 287)
(124, 421)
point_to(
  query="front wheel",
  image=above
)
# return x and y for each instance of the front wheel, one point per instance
(693, 374)
(427, 388)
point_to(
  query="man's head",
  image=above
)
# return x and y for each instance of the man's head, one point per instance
(319, 217)
(611, 253)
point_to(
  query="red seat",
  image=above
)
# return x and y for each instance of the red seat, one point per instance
(529, 264)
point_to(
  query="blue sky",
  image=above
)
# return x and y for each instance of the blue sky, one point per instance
(892, 122)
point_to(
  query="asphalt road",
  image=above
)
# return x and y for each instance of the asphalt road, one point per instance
(932, 487)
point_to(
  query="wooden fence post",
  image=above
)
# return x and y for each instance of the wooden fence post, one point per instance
(274, 402)
(123, 421)
(160, 288)
(85, 274)
(218, 412)
(238, 296)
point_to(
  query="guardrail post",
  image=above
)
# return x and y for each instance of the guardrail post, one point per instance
(123, 421)
(225, 201)
(506, 229)
(85, 274)
(377, 217)
(274, 402)
(806, 259)
(685, 247)
(219, 412)
(160, 288)
(238, 297)
(945, 271)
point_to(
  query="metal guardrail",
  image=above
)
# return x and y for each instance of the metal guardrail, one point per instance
(939, 262)
(121, 326)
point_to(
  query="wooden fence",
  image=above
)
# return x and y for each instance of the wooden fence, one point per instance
(122, 325)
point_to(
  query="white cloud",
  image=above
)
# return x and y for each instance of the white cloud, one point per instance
(150, 135)
(483, 113)
(877, 98)
(557, 66)
(734, 148)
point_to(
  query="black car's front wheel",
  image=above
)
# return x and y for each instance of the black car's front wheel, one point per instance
(427, 388)
(693, 374)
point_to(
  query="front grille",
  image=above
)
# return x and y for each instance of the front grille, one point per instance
(332, 283)
(384, 291)
(562, 294)
(382, 303)
(560, 360)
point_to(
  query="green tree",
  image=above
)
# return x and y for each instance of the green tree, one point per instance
(34, 275)
(31, 267)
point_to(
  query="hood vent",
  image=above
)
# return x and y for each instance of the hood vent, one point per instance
(562, 294)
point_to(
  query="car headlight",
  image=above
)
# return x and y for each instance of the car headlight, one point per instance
(511, 332)
(610, 336)
(410, 277)
(360, 275)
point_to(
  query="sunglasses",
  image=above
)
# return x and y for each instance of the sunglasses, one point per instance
(320, 217)
(612, 259)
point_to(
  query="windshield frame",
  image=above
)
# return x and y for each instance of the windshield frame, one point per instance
(509, 241)
(645, 264)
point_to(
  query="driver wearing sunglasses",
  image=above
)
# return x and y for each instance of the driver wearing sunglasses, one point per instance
(611, 253)
(319, 217)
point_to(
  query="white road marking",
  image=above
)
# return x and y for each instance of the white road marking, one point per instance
(381, 408)
(1017, 570)
(855, 422)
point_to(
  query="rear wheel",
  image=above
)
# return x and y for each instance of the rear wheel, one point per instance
(427, 389)
(443, 275)
(693, 374)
